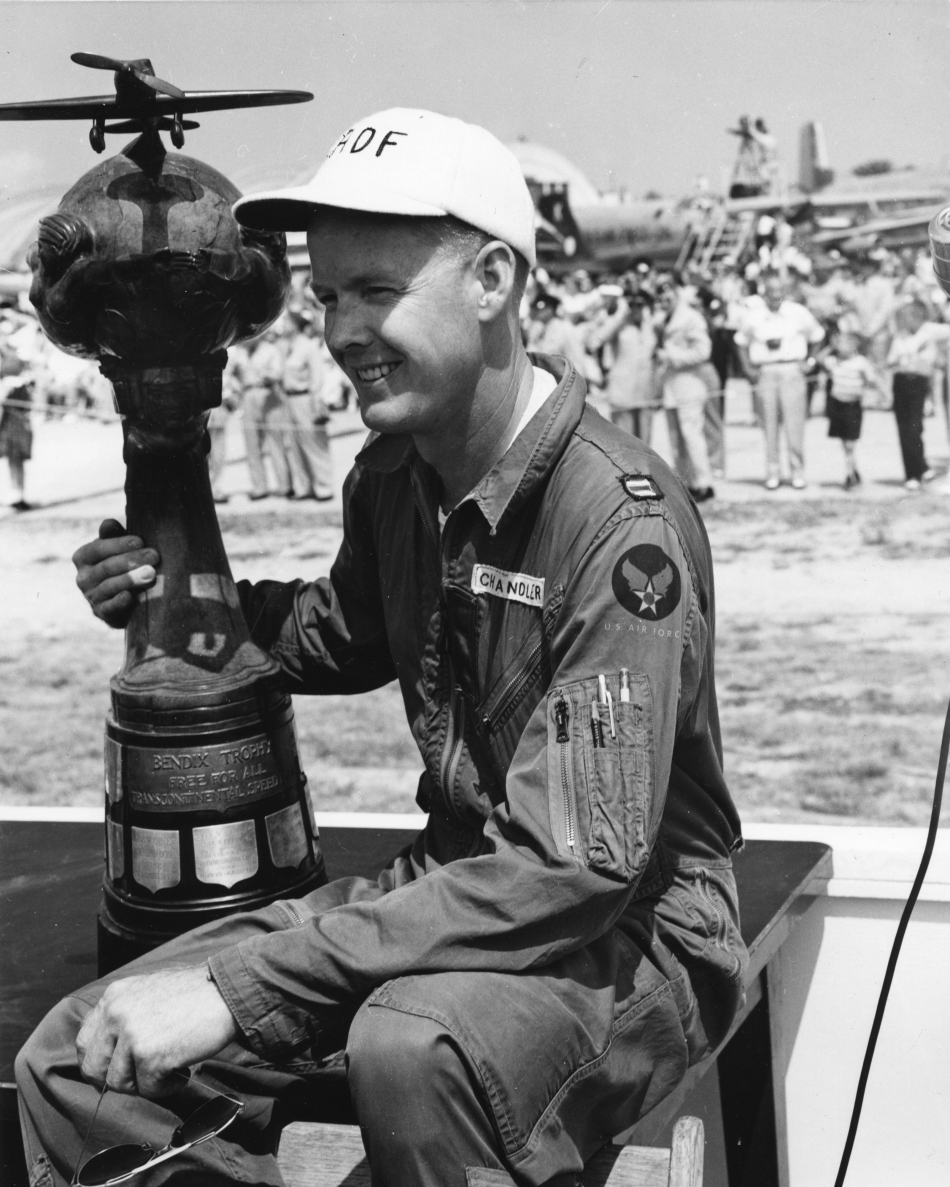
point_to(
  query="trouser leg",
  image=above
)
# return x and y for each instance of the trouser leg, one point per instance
(642, 419)
(300, 479)
(692, 423)
(311, 447)
(793, 400)
(681, 466)
(57, 1105)
(715, 434)
(422, 1117)
(57, 1108)
(769, 404)
(279, 436)
(458, 1078)
(909, 396)
(17, 475)
(253, 440)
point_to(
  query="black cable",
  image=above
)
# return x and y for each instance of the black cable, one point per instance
(895, 951)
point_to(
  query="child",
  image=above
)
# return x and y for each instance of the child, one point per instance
(851, 376)
(914, 355)
(16, 433)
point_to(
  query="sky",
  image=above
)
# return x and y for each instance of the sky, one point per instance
(638, 93)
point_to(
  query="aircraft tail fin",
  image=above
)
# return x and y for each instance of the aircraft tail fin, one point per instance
(554, 217)
(813, 169)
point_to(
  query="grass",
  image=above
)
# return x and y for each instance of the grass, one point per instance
(831, 701)
(823, 735)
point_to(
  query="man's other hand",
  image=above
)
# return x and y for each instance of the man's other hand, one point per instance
(147, 1028)
(113, 570)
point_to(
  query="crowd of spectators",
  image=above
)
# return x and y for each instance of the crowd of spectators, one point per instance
(648, 342)
(283, 387)
(872, 334)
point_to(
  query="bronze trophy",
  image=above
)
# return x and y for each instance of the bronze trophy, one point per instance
(144, 268)
(939, 234)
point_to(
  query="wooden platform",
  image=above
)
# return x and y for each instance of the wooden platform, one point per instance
(50, 876)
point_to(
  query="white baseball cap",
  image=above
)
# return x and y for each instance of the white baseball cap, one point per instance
(410, 162)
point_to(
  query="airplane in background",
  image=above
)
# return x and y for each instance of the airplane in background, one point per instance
(581, 228)
(891, 208)
(577, 227)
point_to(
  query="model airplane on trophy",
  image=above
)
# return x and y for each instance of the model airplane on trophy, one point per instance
(141, 100)
(144, 268)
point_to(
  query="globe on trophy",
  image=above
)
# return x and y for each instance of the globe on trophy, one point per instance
(144, 269)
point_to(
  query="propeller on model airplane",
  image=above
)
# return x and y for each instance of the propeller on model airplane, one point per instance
(139, 69)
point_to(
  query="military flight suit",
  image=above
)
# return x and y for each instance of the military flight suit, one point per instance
(561, 941)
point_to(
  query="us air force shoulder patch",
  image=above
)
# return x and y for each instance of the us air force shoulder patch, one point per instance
(647, 582)
(640, 487)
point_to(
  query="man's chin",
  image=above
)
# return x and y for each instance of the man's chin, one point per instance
(389, 415)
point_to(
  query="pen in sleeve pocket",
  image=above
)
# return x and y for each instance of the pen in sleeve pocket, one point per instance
(608, 701)
(596, 726)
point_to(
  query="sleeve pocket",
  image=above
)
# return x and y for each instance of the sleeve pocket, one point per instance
(599, 796)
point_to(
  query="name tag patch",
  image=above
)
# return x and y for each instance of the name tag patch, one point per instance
(515, 587)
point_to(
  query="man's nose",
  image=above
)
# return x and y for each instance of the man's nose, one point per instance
(347, 327)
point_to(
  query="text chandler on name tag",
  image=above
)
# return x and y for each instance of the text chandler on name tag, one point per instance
(516, 587)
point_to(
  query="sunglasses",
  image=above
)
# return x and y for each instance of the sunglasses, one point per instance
(118, 1163)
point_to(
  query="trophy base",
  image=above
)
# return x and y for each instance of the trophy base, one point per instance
(207, 813)
(124, 932)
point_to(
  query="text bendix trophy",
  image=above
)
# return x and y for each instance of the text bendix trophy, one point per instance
(144, 268)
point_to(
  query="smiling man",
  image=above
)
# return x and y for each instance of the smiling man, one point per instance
(561, 941)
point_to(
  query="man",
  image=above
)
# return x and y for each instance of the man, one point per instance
(686, 379)
(304, 378)
(631, 392)
(554, 334)
(560, 942)
(774, 343)
(260, 373)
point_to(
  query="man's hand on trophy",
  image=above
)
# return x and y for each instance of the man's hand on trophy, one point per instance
(113, 570)
(146, 1030)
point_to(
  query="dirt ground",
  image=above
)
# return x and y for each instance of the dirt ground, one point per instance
(832, 651)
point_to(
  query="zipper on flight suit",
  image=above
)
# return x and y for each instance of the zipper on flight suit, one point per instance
(455, 724)
(292, 911)
(454, 740)
(562, 717)
(494, 714)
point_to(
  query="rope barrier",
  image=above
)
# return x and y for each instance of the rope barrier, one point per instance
(60, 412)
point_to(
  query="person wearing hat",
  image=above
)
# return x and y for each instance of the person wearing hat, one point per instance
(684, 349)
(539, 968)
(632, 393)
(554, 334)
(258, 372)
(304, 379)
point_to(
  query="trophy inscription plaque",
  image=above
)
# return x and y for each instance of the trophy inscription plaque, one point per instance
(144, 269)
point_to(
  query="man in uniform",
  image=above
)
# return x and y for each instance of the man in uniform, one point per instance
(267, 423)
(561, 941)
(305, 376)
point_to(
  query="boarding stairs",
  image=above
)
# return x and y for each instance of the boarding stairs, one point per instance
(722, 238)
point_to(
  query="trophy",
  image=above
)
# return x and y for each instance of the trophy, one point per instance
(939, 234)
(144, 269)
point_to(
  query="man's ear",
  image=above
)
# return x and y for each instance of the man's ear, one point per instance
(494, 269)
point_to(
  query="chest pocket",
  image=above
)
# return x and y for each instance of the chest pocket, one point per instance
(600, 785)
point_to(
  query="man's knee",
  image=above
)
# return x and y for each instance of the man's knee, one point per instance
(52, 1044)
(386, 1046)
